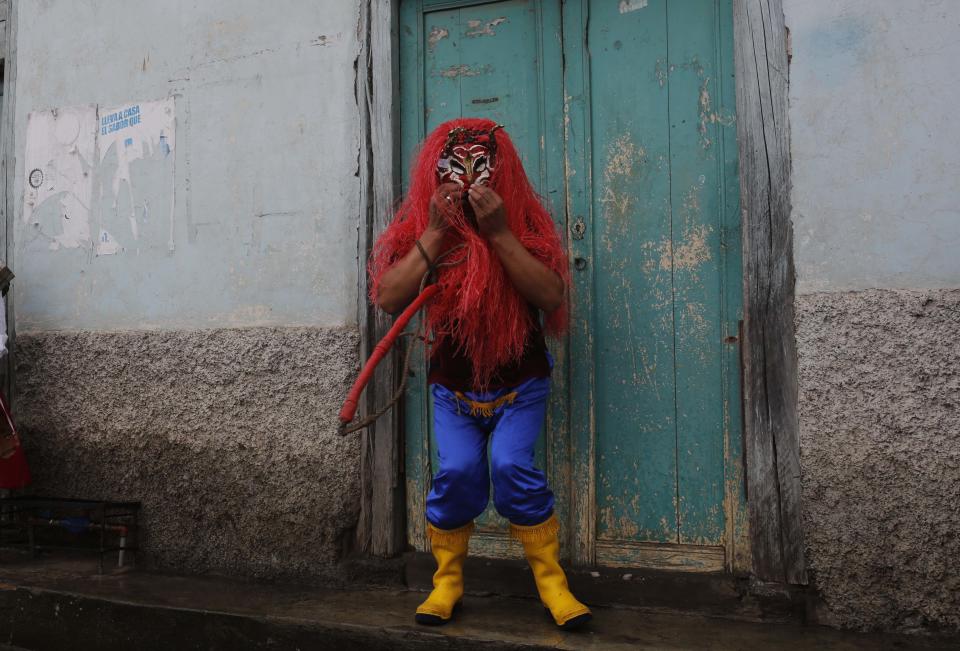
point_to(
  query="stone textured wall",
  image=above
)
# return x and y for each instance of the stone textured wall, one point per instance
(227, 436)
(875, 206)
(880, 449)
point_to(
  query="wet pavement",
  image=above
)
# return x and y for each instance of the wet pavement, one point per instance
(59, 604)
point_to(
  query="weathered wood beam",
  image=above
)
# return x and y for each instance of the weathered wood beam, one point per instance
(380, 530)
(770, 354)
(8, 165)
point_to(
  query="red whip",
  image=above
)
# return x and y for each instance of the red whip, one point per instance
(353, 397)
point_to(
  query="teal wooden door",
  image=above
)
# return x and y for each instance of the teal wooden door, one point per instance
(500, 60)
(624, 114)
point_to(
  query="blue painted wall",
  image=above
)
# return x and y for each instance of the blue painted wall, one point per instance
(262, 185)
(875, 143)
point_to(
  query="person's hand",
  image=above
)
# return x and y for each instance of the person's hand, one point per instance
(443, 202)
(488, 208)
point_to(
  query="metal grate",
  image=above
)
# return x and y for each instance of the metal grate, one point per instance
(41, 523)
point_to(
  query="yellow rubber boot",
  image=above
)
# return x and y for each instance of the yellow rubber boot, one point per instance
(542, 548)
(450, 549)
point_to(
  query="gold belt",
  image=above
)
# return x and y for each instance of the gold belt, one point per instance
(486, 408)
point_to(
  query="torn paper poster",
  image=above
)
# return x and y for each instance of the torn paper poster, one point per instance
(80, 158)
(131, 133)
(59, 162)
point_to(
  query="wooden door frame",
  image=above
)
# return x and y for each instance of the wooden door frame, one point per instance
(9, 12)
(768, 343)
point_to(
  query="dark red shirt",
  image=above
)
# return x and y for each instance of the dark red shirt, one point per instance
(454, 370)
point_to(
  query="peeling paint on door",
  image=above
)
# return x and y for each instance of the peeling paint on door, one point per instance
(626, 6)
(692, 251)
(437, 34)
(657, 278)
(463, 70)
(477, 28)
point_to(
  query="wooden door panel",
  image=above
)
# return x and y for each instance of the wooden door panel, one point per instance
(625, 122)
(663, 291)
(697, 120)
(634, 403)
(494, 60)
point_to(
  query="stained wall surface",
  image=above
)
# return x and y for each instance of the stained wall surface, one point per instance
(185, 243)
(876, 212)
(249, 220)
(874, 143)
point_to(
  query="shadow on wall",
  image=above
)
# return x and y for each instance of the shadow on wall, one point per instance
(228, 437)
(880, 454)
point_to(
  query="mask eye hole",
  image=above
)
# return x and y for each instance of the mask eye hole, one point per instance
(481, 164)
(457, 167)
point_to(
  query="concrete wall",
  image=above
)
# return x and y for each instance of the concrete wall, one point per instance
(225, 435)
(186, 285)
(880, 453)
(874, 143)
(876, 212)
(263, 227)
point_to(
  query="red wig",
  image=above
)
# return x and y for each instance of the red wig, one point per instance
(478, 308)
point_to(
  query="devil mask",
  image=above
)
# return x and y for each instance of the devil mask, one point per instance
(469, 157)
(478, 310)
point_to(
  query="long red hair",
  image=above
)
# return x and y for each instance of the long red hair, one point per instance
(478, 308)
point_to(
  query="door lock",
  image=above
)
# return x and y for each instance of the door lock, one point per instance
(579, 228)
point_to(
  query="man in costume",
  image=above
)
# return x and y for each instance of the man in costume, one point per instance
(473, 222)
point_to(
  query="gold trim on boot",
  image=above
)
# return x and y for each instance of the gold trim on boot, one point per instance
(449, 548)
(542, 547)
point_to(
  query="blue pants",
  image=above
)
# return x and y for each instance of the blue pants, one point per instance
(461, 487)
